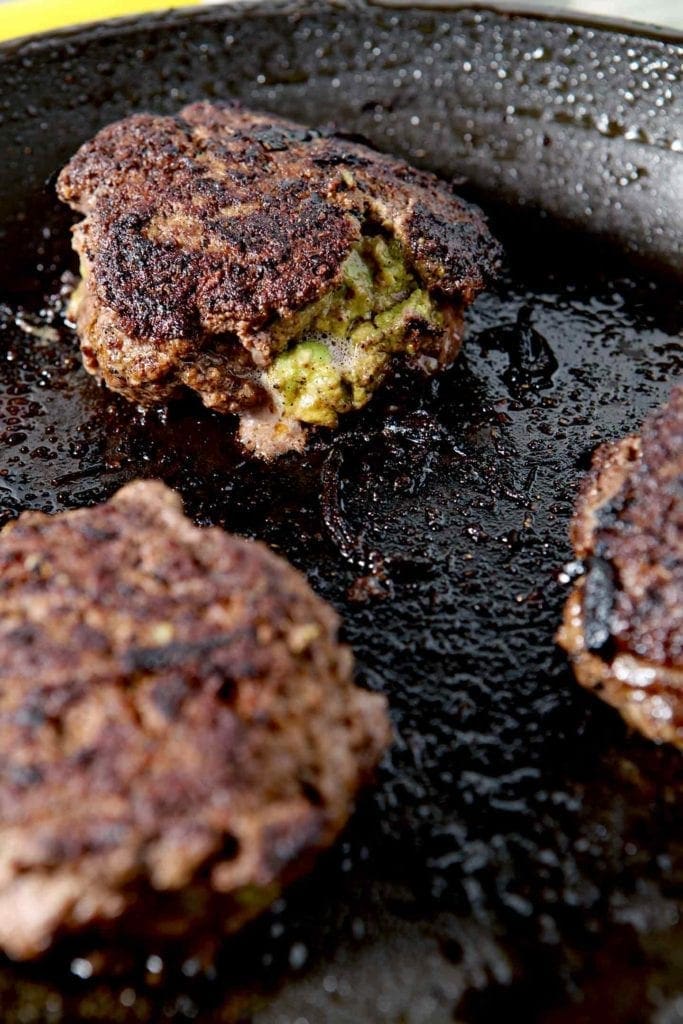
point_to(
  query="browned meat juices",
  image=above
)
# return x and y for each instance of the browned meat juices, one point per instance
(623, 623)
(179, 727)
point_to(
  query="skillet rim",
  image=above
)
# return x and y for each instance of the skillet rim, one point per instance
(172, 17)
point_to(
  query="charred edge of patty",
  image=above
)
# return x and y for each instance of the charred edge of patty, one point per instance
(648, 695)
(621, 620)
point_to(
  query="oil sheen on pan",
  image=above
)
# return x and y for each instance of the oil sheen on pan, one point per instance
(522, 846)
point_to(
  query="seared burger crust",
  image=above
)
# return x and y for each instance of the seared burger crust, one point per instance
(178, 722)
(204, 231)
(623, 623)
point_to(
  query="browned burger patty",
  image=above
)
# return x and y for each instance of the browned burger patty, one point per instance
(179, 727)
(623, 623)
(217, 240)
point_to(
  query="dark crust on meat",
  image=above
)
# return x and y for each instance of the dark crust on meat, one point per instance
(300, 219)
(176, 716)
(204, 232)
(623, 625)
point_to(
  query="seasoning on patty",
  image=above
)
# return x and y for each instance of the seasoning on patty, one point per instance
(279, 272)
(179, 726)
(623, 623)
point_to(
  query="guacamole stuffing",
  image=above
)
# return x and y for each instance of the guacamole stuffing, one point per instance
(343, 343)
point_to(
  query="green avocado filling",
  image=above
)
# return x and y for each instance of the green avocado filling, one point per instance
(347, 338)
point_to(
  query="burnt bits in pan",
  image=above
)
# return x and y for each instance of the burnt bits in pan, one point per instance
(532, 362)
(180, 729)
(623, 623)
(278, 272)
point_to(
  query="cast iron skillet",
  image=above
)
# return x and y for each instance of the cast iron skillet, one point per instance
(522, 854)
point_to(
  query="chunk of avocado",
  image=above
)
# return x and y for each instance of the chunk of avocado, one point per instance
(343, 344)
(310, 387)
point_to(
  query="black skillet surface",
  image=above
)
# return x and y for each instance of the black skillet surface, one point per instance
(522, 856)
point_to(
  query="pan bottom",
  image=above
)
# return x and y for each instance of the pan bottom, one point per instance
(521, 847)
